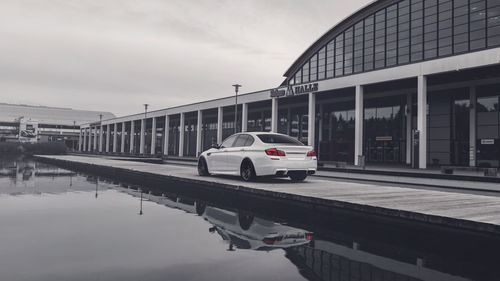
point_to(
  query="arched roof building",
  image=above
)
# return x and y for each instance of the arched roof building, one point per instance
(408, 82)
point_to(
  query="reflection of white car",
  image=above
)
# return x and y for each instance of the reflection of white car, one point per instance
(259, 154)
(249, 232)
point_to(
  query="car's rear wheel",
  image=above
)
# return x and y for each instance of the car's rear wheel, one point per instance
(202, 167)
(247, 172)
(297, 175)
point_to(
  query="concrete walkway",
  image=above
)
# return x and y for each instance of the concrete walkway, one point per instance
(465, 211)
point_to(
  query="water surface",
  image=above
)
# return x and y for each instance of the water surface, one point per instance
(56, 224)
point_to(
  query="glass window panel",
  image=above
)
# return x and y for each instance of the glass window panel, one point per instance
(305, 73)
(487, 104)
(477, 44)
(493, 41)
(298, 77)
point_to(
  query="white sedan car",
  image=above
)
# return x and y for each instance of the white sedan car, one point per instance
(259, 154)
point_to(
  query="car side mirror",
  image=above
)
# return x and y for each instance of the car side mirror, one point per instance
(216, 146)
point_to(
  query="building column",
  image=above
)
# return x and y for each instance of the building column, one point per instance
(89, 147)
(274, 115)
(132, 137)
(108, 136)
(422, 121)
(244, 117)
(311, 122)
(80, 140)
(142, 137)
(153, 137)
(167, 135)
(358, 126)
(199, 126)
(181, 135)
(100, 138)
(84, 139)
(409, 115)
(472, 126)
(95, 138)
(219, 125)
(115, 137)
(122, 146)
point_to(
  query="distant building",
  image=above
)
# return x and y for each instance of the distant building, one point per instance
(26, 123)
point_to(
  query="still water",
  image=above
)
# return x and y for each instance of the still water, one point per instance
(56, 224)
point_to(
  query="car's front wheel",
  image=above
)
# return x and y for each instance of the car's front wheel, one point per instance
(297, 175)
(202, 167)
(247, 172)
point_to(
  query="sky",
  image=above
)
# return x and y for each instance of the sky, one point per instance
(116, 55)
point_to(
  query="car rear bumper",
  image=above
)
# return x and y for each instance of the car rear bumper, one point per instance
(270, 167)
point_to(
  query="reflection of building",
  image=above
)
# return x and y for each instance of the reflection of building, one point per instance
(325, 260)
(39, 123)
(360, 90)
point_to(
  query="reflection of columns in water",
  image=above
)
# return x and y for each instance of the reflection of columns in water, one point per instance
(96, 187)
(140, 210)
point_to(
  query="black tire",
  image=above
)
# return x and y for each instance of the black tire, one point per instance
(245, 220)
(247, 171)
(200, 207)
(202, 167)
(297, 176)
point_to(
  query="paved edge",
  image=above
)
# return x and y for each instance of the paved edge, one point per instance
(461, 224)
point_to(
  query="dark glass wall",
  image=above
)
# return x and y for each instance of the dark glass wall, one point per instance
(406, 32)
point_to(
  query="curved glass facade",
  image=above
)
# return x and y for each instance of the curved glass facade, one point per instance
(406, 32)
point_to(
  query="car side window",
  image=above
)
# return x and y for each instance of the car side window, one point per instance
(249, 141)
(228, 142)
(240, 141)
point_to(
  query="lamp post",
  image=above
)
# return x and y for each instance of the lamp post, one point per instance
(236, 88)
(74, 131)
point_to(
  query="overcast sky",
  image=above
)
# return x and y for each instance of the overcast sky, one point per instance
(115, 55)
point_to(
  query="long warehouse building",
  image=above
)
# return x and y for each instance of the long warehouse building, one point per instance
(400, 82)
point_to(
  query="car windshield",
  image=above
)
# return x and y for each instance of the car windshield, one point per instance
(271, 138)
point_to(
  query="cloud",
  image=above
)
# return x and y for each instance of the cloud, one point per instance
(117, 55)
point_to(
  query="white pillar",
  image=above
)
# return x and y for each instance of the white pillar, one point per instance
(95, 138)
(141, 139)
(100, 138)
(84, 139)
(244, 117)
(108, 136)
(472, 126)
(80, 140)
(115, 137)
(409, 114)
(132, 136)
(199, 126)
(358, 126)
(89, 148)
(181, 135)
(153, 137)
(167, 134)
(274, 115)
(219, 125)
(311, 118)
(422, 120)
(122, 146)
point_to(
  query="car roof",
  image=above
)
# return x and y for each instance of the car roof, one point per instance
(260, 133)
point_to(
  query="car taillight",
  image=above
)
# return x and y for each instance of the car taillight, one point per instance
(272, 240)
(309, 236)
(311, 153)
(275, 152)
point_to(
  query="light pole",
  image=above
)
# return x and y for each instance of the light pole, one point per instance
(236, 87)
(74, 130)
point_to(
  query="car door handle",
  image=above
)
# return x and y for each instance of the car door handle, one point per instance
(242, 149)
